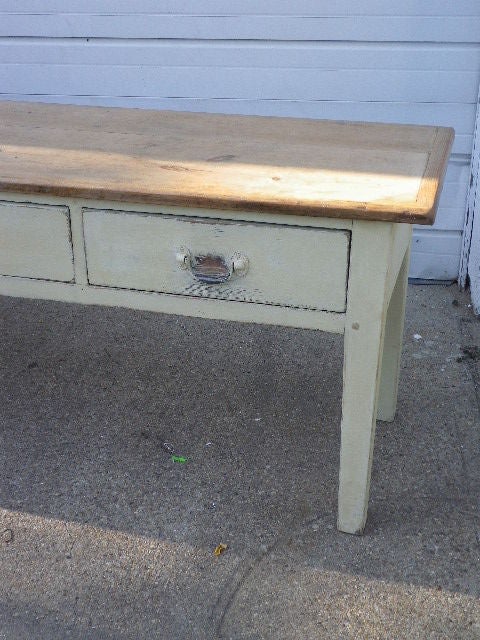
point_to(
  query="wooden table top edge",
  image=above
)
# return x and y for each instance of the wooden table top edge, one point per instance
(421, 211)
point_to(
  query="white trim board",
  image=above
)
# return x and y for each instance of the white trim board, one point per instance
(470, 256)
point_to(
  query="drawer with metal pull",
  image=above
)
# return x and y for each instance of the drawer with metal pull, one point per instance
(269, 264)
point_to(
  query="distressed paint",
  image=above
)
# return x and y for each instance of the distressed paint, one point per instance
(367, 305)
(197, 307)
(41, 240)
(376, 254)
(82, 292)
(401, 241)
(288, 266)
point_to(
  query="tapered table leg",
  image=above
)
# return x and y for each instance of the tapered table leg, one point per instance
(366, 320)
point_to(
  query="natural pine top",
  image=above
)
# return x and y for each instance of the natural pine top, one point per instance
(284, 165)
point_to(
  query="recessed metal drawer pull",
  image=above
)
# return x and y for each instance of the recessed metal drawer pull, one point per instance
(212, 269)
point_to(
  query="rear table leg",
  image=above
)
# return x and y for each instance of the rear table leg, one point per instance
(392, 346)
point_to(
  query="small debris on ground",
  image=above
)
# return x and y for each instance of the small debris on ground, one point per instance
(169, 448)
(219, 549)
(7, 535)
(180, 459)
(417, 336)
(471, 352)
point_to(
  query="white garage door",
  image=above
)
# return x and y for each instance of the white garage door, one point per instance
(415, 61)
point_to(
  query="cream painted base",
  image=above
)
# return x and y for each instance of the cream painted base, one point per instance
(372, 346)
(332, 275)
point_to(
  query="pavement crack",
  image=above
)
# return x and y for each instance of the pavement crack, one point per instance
(225, 603)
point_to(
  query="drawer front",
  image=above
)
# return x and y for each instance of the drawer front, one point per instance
(274, 264)
(35, 241)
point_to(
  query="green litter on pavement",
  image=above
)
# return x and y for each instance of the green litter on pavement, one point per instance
(180, 459)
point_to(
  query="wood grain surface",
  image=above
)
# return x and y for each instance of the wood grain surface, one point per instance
(307, 167)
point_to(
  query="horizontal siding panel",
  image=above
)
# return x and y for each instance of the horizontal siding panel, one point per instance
(457, 115)
(234, 54)
(246, 27)
(435, 254)
(301, 84)
(252, 7)
(454, 194)
(458, 170)
(244, 54)
(431, 241)
(449, 219)
(433, 266)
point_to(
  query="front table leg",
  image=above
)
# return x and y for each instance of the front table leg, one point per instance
(370, 256)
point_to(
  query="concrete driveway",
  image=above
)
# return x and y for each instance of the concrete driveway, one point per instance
(104, 537)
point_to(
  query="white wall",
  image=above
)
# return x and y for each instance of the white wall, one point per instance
(415, 61)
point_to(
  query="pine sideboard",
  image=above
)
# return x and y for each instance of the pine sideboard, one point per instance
(280, 221)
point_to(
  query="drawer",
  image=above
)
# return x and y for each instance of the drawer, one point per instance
(35, 241)
(268, 264)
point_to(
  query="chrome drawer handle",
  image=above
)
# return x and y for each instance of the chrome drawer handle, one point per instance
(212, 269)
